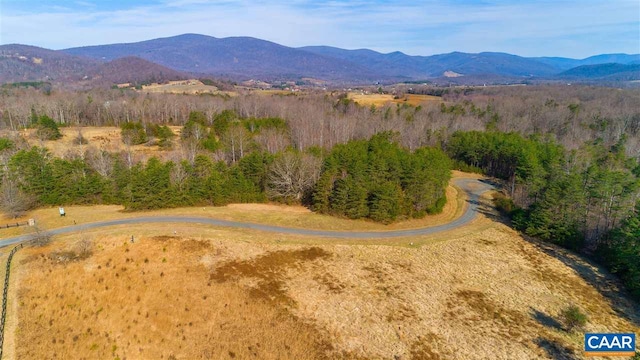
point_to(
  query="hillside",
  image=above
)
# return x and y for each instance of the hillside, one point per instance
(20, 63)
(238, 57)
(246, 58)
(566, 63)
(132, 70)
(612, 71)
(421, 67)
(193, 291)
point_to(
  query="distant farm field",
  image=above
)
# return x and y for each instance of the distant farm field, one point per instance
(383, 99)
(185, 87)
(106, 138)
(199, 292)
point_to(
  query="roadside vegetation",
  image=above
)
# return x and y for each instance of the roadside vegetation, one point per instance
(567, 156)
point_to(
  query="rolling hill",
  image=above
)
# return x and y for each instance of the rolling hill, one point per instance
(421, 67)
(611, 72)
(236, 57)
(567, 63)
(29, 63)
(244, 58)
(22, 63)
(132, 70)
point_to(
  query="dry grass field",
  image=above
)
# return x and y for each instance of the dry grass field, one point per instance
(479, 292)
(384, 99)
(103, 138)
(192, 87)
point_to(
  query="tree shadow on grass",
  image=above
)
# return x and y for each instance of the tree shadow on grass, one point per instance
(595, 275)
(545, 320)
(486, 208)
(555, 350)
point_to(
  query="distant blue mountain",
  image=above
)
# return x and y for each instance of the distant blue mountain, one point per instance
(608, 72)
(239, 57)
(251, 58)
(567, 63)
(421, 67)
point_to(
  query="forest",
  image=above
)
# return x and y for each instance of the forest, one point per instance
(567, 156)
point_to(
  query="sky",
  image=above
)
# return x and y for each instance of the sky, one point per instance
(567, 28)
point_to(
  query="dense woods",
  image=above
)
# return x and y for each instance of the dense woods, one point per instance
(377, 179)
(586, 199)
(568, 156)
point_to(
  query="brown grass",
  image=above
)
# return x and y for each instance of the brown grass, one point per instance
(104, 138)
(384, 99)
(149, 300)
(208, 293)
(478, 292)
(184, 87)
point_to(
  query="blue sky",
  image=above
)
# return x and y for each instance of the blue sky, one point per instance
(571, 28)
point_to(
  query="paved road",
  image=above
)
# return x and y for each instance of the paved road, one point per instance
(473, 187)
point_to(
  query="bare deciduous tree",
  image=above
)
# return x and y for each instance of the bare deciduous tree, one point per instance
(14, 202)
(190, 148)
(237, 142)
(292, 176)
(40, 237)
(84, 247)
(272, 140)
(100, 160)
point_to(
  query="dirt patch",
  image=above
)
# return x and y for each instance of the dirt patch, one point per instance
(163, 238)
(270, 270)
(193, 245)
(486, 242)
(331, 283)
(429, 347)
(483, 309)
(63, 256)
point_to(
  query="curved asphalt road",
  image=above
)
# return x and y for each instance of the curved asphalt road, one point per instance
(473, 187)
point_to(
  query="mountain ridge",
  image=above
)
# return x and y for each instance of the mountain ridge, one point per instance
(244, 58)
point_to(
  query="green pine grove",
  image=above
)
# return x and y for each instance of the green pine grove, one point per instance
(585, 200)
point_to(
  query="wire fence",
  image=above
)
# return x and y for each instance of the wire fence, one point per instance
(16, 224)
(5, 296)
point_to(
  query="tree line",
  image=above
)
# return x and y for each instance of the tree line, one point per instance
(571, 114)
(568, 156)
(585, 199)
(375, 179)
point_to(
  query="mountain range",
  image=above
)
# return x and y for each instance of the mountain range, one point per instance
(243, 58)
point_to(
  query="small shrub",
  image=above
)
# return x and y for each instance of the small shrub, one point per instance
(40, 237)
(84, 248)
(6, 144)
(573, 318)
(503, 203)
(80, 140)
(133, 133)
(47, 129)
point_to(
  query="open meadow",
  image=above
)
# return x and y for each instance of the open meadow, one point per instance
(106, 138)
(481, 291)
(384, 99)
